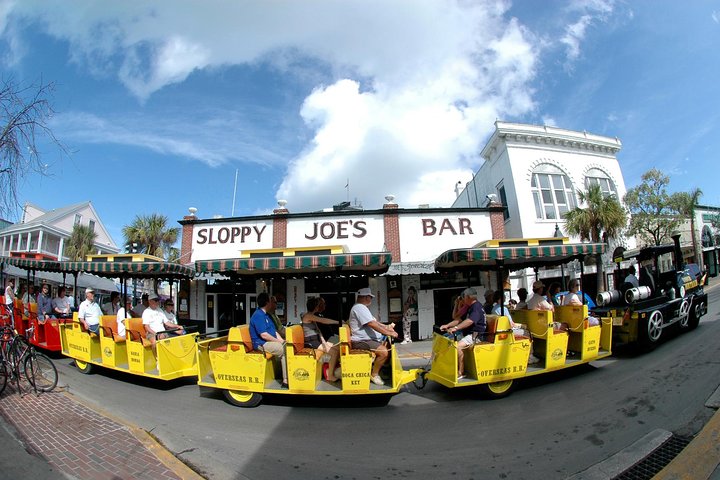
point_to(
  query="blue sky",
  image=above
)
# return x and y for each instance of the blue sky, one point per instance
(160, 102)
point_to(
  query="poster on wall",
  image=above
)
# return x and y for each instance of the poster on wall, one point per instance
(411, 287)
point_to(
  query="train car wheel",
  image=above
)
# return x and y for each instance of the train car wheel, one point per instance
(243, 399)
(498, 389)
(650, 330)
(697, 312)
(84, 367)
(684, 315)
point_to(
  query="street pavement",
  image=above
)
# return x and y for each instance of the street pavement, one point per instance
(56, 435)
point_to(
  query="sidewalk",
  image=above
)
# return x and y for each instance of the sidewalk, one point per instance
(77, 442)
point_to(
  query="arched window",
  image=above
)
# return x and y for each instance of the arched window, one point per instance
(595, 176)
(707, 237)
(552, 191)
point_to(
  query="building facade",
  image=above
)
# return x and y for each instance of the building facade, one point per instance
(45, 232)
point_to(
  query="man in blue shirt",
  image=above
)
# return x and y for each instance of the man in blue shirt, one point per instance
(265, 337)
(468, 318)
(44, 302)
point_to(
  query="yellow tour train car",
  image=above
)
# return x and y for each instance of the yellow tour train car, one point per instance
(563, 338)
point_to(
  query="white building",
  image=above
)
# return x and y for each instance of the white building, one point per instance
(537, 171)
(45, 232)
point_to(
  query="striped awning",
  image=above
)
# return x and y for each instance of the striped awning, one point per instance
(130, 269)
(340, 262)
(515, 258)
(32, 264)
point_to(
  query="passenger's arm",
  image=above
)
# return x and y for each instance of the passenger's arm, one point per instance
(383, 329)
(269, 338)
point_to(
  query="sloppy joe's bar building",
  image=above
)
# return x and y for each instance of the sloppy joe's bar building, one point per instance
(391, 250)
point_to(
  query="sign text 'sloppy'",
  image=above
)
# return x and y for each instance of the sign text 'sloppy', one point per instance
(212, 235)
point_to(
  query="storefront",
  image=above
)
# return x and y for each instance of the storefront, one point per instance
(291, 256)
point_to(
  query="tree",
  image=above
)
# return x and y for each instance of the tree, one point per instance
(685, 203)
(653, 216)
(152, 234)
(601, 219)
(81, 243)
(24, 113)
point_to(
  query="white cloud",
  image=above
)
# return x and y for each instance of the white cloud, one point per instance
(715, 15)
(591, 11)
(415, 86)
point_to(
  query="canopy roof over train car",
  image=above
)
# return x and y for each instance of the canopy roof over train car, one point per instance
(149, 269)
(516, 254)
(347, 263)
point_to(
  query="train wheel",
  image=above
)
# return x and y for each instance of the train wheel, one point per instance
(650, 330)
(498, 389)
(84, 367)
(684, 315)
(696, 313)
(243, 399)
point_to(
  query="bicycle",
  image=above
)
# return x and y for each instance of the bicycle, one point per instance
(38, 369)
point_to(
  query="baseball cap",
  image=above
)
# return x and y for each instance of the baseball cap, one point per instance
(89, 290)
(365, 292)
(537, 284)
(153, 297)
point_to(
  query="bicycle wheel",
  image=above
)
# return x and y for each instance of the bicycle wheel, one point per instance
(40, 371)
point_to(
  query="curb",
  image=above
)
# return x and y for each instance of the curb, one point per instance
(147, 440)
(625, 458)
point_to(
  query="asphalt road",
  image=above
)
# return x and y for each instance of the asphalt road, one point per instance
(552, 426)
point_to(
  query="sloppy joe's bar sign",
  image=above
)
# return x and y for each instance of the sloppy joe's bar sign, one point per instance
(422, 236)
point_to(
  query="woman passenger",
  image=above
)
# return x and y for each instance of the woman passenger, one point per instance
(573, 298)
(310, 319)
(552, 292)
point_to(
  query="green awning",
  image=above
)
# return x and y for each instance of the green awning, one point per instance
(32, 264)
(515, 258)
(341, 262)
(130, 269)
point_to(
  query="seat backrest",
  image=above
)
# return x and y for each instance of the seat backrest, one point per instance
(244, 331)
(295, 336)
(492, 321)
(135, 329)
(109, 326)
(345, 335)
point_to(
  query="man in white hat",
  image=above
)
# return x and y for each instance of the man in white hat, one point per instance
(367, 333)
(538, 300)
(89, 312)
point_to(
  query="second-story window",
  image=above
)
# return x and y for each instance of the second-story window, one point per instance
(552, 192)
(595, 176)
(78, 217)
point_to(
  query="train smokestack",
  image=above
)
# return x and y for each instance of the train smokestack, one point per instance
(679, 264)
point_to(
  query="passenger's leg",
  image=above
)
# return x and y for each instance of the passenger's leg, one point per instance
(381, 355)
(334, 356)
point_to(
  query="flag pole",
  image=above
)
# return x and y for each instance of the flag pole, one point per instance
(234, 192)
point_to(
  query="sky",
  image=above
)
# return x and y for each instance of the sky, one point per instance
(162, 104)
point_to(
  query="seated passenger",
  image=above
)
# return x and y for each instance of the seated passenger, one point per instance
(518, 328)
(122, 315)
(573, 298)
(271, 307)
(552, 292)
(631, 278)
(471, 323)
(27, 299)
(89, 312)
(61, 305)
(155, 322)
(265, 337)
(45, 309)
(310, 319)
(169, 312)
(488, 305)
(367, 334)
(538, 300)
(522, 296)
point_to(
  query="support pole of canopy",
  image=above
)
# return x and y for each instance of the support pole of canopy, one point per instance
(582, 280)
(76, 304)
(233, 281)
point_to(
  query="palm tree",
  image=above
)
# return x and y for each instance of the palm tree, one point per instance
(81, 242)
(152, 234)
(602, 218)
(685, 203)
